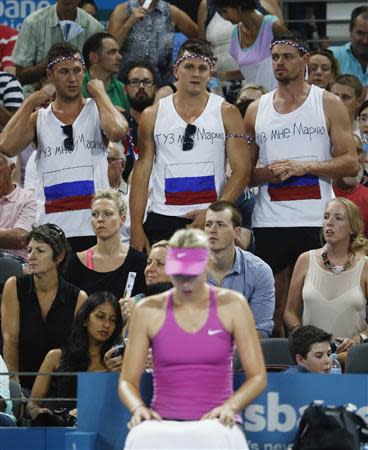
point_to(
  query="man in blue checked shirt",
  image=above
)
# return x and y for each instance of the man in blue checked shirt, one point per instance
(233, 268)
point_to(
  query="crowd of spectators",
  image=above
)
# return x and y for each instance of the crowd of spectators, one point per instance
(122, 142)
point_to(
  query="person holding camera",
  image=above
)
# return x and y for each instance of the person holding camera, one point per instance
(96, 328)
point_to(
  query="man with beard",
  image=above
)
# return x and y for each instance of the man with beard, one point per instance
(301, 138)
(102, 59)
(140, 85)
(71, 136)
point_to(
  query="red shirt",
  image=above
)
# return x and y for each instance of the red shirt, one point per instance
(359, 196)
(8, 36)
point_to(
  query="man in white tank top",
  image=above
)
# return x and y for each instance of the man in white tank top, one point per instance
(185, 141)
(301, 138)
(71, 135)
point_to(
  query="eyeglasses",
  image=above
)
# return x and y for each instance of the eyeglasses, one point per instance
(69, 141)
(188, 141)
(363, 118)
(136, 82)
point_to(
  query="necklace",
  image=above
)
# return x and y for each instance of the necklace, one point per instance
(336, 269)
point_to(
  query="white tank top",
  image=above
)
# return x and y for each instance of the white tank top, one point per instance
(70, 178)
(334, 302)
(302, 135)
(186, 180)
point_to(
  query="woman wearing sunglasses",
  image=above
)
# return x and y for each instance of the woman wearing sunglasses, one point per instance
(192, 330)
(37, 310)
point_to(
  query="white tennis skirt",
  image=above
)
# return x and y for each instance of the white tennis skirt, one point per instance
(198, 434)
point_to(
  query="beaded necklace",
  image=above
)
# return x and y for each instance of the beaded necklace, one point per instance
(336, 269)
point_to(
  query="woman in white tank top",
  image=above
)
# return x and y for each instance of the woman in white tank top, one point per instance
(330, 284)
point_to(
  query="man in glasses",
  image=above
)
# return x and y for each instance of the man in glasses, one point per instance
(140, 85)
(185, 141)
(102, 58)
(301, 139)
(71, 136)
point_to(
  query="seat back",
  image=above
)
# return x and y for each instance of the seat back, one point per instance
(357, 359)
(276, 354)
(8, 267)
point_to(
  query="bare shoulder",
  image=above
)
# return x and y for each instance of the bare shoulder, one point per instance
(54, 355)
(231, 117)
(253, 107)
(120, 10)
(82, 256)
(251, 114)
(11, 283)
(150, 113)
(331, 102)
(51, 361)
(302, 262)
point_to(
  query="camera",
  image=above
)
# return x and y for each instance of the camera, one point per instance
(118, 350)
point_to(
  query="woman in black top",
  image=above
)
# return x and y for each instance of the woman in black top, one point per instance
(106, 266)
(96, 327)
(37, 310)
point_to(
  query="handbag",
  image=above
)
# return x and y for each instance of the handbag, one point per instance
(330, 428)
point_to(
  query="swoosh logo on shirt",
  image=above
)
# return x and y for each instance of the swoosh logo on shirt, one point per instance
(213, 332)
(180, 255)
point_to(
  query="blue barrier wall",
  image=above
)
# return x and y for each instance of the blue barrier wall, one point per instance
(270, 421)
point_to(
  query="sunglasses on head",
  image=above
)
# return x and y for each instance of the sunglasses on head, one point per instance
(69, 140)
(188, 141)
(55, 228)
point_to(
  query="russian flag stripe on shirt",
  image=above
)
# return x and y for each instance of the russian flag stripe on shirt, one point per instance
(190, 190)
(69, 196)
(295, 188)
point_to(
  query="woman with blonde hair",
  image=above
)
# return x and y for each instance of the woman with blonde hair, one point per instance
(107, 265)
(192, 330)
(331, 284)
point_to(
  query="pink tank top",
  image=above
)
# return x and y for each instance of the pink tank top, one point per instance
(192, 371)
(89, 259)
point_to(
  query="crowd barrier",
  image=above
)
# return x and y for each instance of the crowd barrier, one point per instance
(270, 421)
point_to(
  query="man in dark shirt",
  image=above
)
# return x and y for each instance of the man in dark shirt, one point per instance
(140, 85)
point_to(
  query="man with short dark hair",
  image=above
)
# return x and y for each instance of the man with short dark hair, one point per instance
(102, 58)
(140, 86)
(62, 22)
(350, 90)
(301, 138)
(310, 347)
(71, 135)
(184, 142)
(233, 268)
(353, 56)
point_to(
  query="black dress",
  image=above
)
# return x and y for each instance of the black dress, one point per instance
(36, 335)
